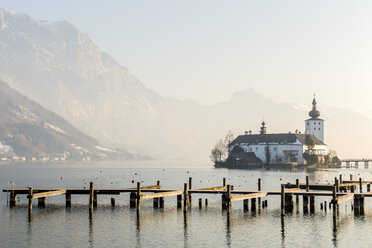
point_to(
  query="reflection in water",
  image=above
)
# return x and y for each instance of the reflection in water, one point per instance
(138, 227)
(282, 229)
(228, 229)
(91, 230)
(185, 230)
(334, 233)
(138, 220)
(29, 215)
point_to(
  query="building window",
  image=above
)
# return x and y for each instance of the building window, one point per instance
(314, 123)
(319, 123)
(274, 148)
(307, 123)
(314, 128)
(256, 148)
(319, 128)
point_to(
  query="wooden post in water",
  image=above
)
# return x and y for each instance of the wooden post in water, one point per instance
(297, 186)
(361, 205)
(360, 185)
(288, 203)
(68, 199)
(185, 197)
(206, 202)
(112, 202)
(200, 203)
(91, 195)
(368, 187)
(259, 187)
(41, 202)
(334, 200)
(161, 202)
(340, 179)
(307, 184)
(356, 205)
(245, 205)
(156, 200)
(305, 204)
(282, 200)
(253, 204)
(13, 199)
(30, 193)
(337, 185)
(312, 204)
(95, 200)
(325, 206)
(133, 199)
(179, 201)
(224, 181)
(228, 204)
(138, 196)
(190, 187)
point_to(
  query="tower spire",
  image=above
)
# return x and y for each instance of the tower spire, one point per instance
(314, 113)
(263, 128)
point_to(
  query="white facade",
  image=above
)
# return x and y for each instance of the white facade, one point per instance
(318, 149)
(315, 127)
(292, 152)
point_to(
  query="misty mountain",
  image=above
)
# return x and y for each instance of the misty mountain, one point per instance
(29, 130)
(59, 66)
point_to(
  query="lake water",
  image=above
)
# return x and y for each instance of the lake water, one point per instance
(56, 226)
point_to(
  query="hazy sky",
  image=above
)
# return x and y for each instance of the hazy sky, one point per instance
(208, 49)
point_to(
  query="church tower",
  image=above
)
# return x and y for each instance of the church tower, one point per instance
(315, 125)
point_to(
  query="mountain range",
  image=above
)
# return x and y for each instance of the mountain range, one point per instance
(28, 130)
(59, 66)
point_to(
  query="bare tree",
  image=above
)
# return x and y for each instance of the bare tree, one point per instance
(229, 138)
(218, 153)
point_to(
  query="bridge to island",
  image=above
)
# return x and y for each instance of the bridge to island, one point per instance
(355, 162)
(339, 192)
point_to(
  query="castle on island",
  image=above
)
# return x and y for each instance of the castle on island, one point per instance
(279, 148)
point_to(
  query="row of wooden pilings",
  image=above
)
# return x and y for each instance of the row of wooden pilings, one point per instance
(184, 197)
(184, 200)
(357, 206)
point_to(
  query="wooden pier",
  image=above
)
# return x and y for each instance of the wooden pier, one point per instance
(349, 163)
(339, 192)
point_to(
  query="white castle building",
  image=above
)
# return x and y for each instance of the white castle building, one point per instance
(281, 147)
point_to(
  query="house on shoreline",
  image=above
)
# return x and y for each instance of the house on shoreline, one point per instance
(279, 148)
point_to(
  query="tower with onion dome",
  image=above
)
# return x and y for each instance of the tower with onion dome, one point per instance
(315, 125)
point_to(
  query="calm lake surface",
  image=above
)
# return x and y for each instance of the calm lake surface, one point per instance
(56, 226)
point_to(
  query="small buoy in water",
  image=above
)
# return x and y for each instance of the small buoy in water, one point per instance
(100, 171)
(135, 173)
(291, 171)
(61, 178)
(132, 181)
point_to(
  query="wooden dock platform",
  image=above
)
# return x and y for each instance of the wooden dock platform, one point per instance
(339, 192)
